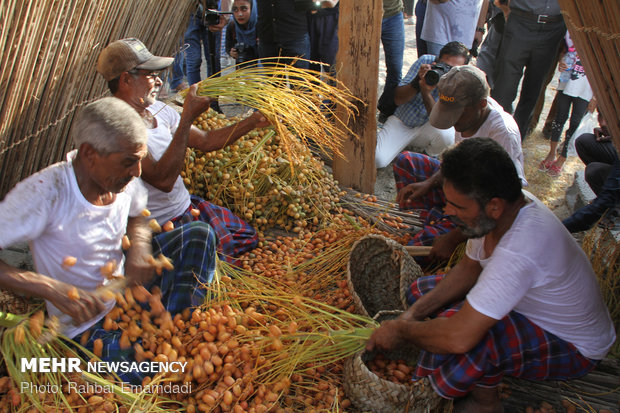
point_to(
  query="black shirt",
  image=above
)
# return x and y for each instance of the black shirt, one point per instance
(280, 20)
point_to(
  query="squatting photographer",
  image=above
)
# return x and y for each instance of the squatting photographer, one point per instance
(415, 97)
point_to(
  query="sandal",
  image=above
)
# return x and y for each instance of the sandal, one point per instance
(544, 165)
(554, 170)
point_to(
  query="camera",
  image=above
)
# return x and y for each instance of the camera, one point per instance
(211, 16)
(436, 71)
(244, 53)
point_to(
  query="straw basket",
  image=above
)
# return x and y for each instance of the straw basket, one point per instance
(379, 272)
(370, 393)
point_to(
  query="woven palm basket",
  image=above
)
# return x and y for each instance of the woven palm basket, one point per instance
(370, 393)
(379, 272)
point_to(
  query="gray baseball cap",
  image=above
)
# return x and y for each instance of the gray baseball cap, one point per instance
(128, 54)
(460, 87)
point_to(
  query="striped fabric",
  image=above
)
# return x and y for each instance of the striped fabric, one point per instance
(412, 167)
(234, 236)
(191, 247)
(413, 113)
(514, 346)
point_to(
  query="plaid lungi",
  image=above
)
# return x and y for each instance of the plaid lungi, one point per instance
(234, 236)
(191, 247)
(410, 167)
(514, 346)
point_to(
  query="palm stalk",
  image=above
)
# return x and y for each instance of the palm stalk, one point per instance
(294, 100)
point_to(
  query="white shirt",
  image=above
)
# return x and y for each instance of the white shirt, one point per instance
(455, 20)
(502, 128)
(165, 206)
(49, 211)
(538, 270)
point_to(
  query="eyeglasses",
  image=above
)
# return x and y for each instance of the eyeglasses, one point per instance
(241, 8)
(150, 76)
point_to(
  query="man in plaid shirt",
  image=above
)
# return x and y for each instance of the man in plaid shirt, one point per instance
(415, 99)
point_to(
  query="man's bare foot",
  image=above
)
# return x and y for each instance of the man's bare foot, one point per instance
(480, 400)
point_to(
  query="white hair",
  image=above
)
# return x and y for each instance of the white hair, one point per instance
(109, 124)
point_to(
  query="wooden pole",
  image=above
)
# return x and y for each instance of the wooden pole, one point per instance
(357, 62)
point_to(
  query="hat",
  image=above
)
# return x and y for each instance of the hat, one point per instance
(460, 87)
(127, 54)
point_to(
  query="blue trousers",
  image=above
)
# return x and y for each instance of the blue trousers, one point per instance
(200, 39)
(393, 40)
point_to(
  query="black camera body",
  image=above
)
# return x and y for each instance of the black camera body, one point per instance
(437, 70)
(243, 53)
(210, 14)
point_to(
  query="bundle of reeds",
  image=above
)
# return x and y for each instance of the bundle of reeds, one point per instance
(298, 101)
(603, 249)
(34, 337)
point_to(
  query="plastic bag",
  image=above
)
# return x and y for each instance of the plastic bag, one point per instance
(587, 125)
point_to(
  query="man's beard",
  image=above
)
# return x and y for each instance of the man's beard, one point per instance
(483, 225)
(149, 99)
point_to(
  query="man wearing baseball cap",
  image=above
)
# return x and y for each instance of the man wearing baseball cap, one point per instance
(464, 104)
(132, 73)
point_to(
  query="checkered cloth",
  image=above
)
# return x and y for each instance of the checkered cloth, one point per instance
(412, 167)
(191, 247)
(514, 346)
(234, 236)
(413, 113)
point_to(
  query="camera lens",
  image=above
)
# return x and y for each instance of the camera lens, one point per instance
(432, 77)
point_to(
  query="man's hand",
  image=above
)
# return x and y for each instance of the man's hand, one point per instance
(233, 53)
(137, 268)
(260, 120)
(602, 134)
(424, 87)
(562, 66)
(81, 310)
(412, 191)
(195, 105)
(387, 337)
(216, 28)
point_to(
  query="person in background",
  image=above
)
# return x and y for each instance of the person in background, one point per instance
(529, 45)
(602, 173)
(203, 34)
(449, 21)
(241, 32)
(282, 30)
(393, 40)
(597, 151)
(513, 305)
(415, 99)
(606, 204)
(573, 91)
(408, 11)
(489, 49)
(420, 11)
(323, 31)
